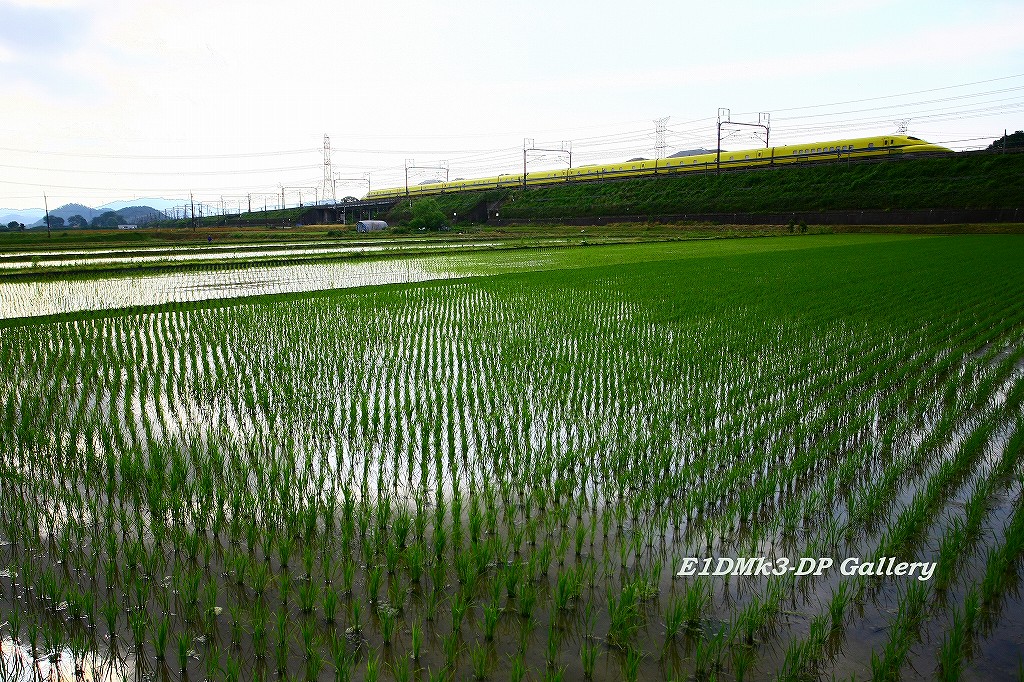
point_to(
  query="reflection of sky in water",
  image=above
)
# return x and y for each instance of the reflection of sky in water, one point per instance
(29, 299)
(51, 297)
(19, 666)
(13, 261)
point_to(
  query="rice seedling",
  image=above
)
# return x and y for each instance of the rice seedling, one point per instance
(491, 614)
(308, 593)
(348, 572)
(554, 674)
(232, 669)
(516, 669)
(281, 655)
(674, 619)
(354, 615)
(184, 651)
(481, 662)
(373, 582)
(212, 662)
(416, 642)
(631, 665)
(742, 660)
(588, 658)
(314, 663)
(110, 612)
(452, 648)
(695, 601)
(526, 598)
(372, 668)
(951, 652)
(459, 607)
(387, 624)
(623, 617)
(837, 607)
(342, 659)
(401, 670)
(554, 645)
(330, 605)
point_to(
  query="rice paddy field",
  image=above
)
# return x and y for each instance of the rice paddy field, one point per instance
(501, 473)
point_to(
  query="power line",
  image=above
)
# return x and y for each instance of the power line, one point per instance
(283, 169)
(902, 94)
(161, 157)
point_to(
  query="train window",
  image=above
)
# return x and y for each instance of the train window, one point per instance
(746, 156)
(871, 145)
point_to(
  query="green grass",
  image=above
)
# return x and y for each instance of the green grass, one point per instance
(962, 181)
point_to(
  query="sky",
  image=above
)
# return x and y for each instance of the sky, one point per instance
(112, 100)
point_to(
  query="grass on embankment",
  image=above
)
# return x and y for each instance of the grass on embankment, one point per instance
(954, 182)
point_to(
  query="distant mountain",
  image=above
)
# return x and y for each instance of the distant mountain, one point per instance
(66, 211)
(130, 214)
(157, 203)
(22, 215)
(140, 214)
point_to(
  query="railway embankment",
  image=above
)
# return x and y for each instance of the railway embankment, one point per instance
(960, 188)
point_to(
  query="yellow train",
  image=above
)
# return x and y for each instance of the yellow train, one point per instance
(855, 148)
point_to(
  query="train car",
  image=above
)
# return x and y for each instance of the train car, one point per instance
(832, 150)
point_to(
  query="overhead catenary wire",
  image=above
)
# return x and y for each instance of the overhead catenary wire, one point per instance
(790, 125)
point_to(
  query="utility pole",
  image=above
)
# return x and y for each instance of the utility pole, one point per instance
(328, 176)
(660, 126)
(46, 207)
(763, 121)
(411, 164)
(364, 178)
(529, 146)
(192, 201)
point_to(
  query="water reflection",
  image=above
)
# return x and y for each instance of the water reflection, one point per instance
(17, 664)
(57, 259)
(30, 299)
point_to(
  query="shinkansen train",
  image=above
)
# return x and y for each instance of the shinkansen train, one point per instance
(857, 148)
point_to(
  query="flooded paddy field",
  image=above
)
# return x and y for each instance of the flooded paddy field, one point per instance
(500, 477)
(16, 261)
(46, 295)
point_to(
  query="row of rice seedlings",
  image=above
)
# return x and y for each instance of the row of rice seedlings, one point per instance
(912, 603)
(282, 515)
(981, 601)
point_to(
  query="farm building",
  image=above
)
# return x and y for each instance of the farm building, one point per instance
(371, 225)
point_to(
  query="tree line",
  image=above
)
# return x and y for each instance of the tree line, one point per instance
(106, 219)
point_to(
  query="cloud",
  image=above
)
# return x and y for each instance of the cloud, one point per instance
(7, 55)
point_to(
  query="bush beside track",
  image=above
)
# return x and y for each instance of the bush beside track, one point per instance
(960, 181)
